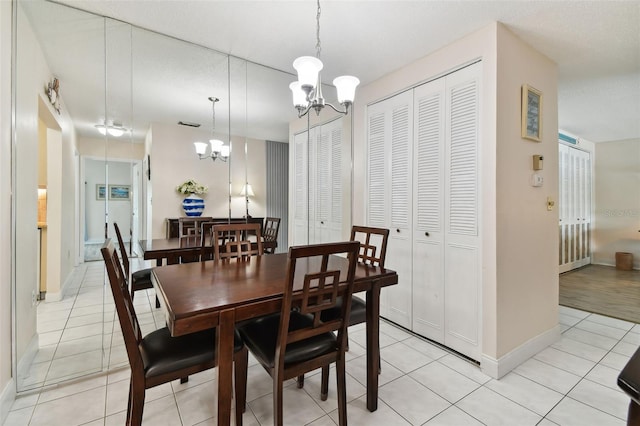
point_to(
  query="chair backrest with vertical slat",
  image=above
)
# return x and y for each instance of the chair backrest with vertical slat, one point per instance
(232, 240)
(270, 231)
(321, 284)
(123, 251)
(124, 306)
(373, 244)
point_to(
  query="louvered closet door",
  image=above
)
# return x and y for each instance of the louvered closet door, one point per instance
(390, 135)
(322, 205)
(428, 210)
(300, 209)
(574, 208)
(329, 167)
(461, 252)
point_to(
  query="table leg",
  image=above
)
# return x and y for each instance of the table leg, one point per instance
(224, 347)
(373, 345)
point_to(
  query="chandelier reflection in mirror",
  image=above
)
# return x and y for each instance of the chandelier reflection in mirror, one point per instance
(307, 91)
(219, 151)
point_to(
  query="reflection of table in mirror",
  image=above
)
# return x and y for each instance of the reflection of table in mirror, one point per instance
(172, 223)
(169, 251)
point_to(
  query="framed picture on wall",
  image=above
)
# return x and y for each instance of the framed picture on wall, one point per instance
(101, 191)
(120, 192)
(531, 113)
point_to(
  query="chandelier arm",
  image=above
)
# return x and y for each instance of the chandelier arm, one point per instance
(346, 109)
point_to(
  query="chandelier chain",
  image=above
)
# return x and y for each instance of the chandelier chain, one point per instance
(318, 47)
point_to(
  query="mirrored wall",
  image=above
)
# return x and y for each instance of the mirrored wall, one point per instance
(106, 116)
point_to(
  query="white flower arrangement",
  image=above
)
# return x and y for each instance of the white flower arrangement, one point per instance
(191, 187)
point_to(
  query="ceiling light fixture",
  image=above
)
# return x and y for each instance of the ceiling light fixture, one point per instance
(114, 129)
(219, 151)
(307, 91)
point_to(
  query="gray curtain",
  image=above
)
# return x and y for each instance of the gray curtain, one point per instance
(278, 189)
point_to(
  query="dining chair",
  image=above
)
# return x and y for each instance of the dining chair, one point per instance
(139, 280)
(270, 232)
(232, 241)
(373, 251)
(206, 239)
(296, 341)
(158, 357)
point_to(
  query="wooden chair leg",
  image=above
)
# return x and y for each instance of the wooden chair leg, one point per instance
(137, 404)
(184, 380)
(157, 302)
(342, 391)
(633, 415)
(241, 362)
(324, 385)
(300, 381)
(277, 400)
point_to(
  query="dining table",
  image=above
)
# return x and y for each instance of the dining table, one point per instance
(220, 293)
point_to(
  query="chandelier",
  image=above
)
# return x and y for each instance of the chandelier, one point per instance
(307, 91)
(219, 151)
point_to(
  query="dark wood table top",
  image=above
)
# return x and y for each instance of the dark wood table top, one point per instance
(200, 295)
(201, 289)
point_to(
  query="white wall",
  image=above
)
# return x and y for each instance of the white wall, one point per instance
(616, 223)
(519, 236)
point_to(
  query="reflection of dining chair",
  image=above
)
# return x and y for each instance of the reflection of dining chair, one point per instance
(270, 232)
(140, 280)
(158, 357)
(296, 341)
(373, 251)
(233, 240)
(189, 233)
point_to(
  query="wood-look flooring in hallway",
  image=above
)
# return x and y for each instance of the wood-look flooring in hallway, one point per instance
(604, 290)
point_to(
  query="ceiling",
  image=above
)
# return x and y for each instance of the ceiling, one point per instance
(596, 44)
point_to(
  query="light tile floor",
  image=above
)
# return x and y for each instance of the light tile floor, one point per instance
(573, 382)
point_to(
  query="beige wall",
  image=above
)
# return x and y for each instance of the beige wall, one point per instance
(617, 201)
(174, 160)
(518, 233)
(527, 233)
(6, 384)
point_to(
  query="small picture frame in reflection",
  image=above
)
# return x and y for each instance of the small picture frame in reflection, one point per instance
(101, 191)
(119, 192)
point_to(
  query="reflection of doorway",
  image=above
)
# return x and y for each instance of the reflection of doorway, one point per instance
(110, 195)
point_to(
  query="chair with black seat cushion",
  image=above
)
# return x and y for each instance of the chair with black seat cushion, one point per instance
(296, 341)
(270, 232)
(233, 241)
(158, 357)
(373, 251)
(141, 279)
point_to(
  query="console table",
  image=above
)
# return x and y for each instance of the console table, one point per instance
(172, 223)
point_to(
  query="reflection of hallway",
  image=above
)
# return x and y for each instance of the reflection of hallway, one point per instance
(71, 331)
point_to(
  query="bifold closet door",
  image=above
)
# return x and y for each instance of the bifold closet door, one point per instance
(574, 208)
(390, 136)
(428, 210)
(462, 270)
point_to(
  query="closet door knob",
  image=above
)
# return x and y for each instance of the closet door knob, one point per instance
(398, 230)
(426, 234)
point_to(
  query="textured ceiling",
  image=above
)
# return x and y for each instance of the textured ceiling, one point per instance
(596, 44)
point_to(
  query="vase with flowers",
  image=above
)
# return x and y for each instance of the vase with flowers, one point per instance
(193, 204)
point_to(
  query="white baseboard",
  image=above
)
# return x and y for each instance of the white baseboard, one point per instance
(56, 296)
(7, 397)
(497, 368)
